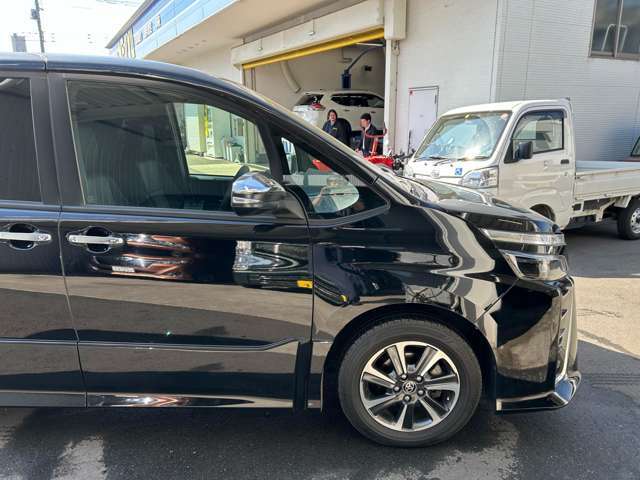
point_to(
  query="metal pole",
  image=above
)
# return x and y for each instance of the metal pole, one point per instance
(36, 16)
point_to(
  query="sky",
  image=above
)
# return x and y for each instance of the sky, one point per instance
(70, 26)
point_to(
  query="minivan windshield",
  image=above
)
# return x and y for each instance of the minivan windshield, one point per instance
(468, 136)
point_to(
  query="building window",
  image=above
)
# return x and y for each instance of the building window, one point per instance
(616, 29)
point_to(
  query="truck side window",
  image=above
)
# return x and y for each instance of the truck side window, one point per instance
(143, 146)
(544, 129)
(325, 192)
(18, 167)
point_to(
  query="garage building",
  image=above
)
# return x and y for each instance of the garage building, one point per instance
(422, 57)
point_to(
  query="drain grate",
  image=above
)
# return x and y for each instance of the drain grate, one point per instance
(606, 379)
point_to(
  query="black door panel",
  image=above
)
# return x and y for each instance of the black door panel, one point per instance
(226, 377)
(180, 283)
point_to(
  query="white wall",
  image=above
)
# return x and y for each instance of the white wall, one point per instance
(449, 44)
(216, 62)
(321, 71)
(545, 54)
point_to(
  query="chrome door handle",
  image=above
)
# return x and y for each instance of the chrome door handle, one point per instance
(94, 240)
(31, 237)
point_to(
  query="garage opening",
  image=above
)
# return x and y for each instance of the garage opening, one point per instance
(349, 80)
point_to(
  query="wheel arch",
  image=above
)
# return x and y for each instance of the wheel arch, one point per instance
(356, 327)
(545, 211)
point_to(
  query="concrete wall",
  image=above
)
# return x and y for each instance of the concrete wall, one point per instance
(544, 53)
(450, 44)
(322, 71)
(216, 62)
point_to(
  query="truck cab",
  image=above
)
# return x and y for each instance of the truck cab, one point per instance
(484, 146)
(524, 153)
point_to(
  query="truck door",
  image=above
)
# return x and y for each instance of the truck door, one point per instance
(543, 182)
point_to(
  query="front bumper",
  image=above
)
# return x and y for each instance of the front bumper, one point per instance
(565, 390)
(546, 355)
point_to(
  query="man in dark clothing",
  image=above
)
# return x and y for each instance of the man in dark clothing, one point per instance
(338, 128)
(368, 140)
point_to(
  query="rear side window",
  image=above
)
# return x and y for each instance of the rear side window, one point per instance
(18, 166)
(358, 100)
(309, 99)
(636, 149)
(350, 100)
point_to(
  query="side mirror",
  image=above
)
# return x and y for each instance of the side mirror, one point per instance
(255, 192)
(523, 151)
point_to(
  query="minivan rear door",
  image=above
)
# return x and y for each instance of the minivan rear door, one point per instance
(38, 345)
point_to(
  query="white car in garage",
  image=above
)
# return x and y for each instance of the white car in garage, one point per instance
(313, 106)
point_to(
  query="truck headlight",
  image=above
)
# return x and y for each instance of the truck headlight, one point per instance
(546, 265)
(483, 178)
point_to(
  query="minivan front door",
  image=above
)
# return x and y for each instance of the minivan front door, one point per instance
(38, 353)
(177, 300)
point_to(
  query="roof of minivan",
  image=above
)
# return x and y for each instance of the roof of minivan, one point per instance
(508, 106)
(105, 64)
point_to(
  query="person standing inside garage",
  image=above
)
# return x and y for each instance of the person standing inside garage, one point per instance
(368, 143)
(337, 127)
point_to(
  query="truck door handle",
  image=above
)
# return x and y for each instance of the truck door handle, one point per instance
(565, 161)
(94, 240)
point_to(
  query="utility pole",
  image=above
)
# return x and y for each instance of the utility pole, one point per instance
(35, 15)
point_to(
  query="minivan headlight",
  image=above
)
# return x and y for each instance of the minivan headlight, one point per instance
(536, 266)
(483, 178)
(546, 266)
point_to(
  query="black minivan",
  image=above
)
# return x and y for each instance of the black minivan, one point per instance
(168, 239)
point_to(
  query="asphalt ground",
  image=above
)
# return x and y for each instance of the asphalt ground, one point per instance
(596, 437)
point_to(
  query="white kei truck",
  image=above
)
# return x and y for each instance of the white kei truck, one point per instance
(524, 153)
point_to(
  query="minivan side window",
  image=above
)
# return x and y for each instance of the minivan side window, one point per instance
(544, 129)
(142, 146)
(18, 164)
(326, 192)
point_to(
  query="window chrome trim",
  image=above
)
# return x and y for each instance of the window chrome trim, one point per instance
(538, 239)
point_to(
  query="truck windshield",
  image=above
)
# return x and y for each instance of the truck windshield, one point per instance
(467, 136)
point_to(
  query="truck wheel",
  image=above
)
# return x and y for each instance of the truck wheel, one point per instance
(629, 221)
(409, 383)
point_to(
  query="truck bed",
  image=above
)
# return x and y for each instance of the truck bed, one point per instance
(606, 179)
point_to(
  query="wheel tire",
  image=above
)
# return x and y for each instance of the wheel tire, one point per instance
(411, 330)
(628, 220)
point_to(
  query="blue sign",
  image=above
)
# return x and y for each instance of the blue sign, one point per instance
(458, 171)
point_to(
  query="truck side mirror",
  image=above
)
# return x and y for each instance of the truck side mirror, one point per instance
(523, 151)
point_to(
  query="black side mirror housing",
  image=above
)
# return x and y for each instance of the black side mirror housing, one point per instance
(523, 151)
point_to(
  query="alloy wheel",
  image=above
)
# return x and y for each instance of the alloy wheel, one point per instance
(409, 386)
